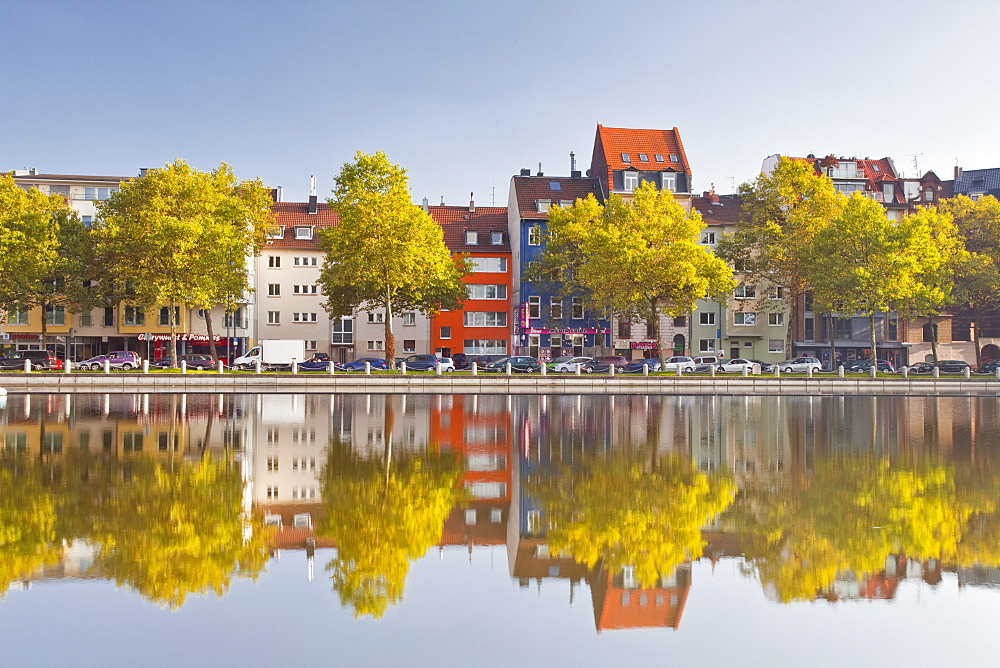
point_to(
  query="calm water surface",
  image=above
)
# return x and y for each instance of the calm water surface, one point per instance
(236, 529)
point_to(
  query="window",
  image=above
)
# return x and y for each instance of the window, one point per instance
(624, 329)
(810, 329)
(165, 316)
(274, 317)
(658, 157)
(706, 318)
(85, 319)
(668, 181)
(233, 318)
(52, 442)
(534, 307)
(303, 317)
(15, 441)
(740, 318)
(485, 319)
(776, 346)
(650, 330)
(273, 289)
(555, 308)
(272, 463)
(630, 180)
(375, 345)
(304, 261)
(132, 441)
(577, 308)
(776, 293)
(304, 290)
(643, 157)
(109, 316)
(485, 347)
(303, 232)
(342, 331)
(98, 193)
(494, 265)
(272, 492)
(471, 237)
(706, 345)
(542, 205)
(842, 328)
(376, 317)
(496, 238)
(409, 319)
(673, 157)
(680, 321)
(534, 235)
(775, 319)
(555, 185)
(134, 316)
(274, 261)
(929, 195)
(276, 232)
(87, 220)
(626, 158)
(445, 332)
(745, 292)
(55, 315)
(483, 291)
(409, 345)
(18, 317)
(708, 238)
(310, 345)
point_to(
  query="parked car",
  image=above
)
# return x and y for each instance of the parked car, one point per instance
(734, 365)
(800, 364)
(765, 367)
(40, 359)
(518, 364)
(376, 363)
(602, 364)
(712, 360)
(428, 363)
(635, 366)
(195, 361)
(921, 368)
(864, 366)
(989, 367)
(952, 366)
(568, 364)
(117, 359)
(480, 360)
(679, 362)
(313, 364)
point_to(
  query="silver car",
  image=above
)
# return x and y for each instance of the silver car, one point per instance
(568, 365)
(735, 365)
(679, 362)
(800, 364)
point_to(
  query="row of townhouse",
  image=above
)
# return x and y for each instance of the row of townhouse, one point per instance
(505, 315)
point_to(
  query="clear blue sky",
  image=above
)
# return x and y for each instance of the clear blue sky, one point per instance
(464, 94)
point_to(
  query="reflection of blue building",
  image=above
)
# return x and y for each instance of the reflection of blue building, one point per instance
(545, 325)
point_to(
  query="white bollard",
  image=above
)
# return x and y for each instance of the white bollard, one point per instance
(745, 370)
(67, 366)
(402, 368)
(507, 369)
(579, 366)
(998, 373)
(937, 372)
(544, 369)
(437, 368)
(873, 371)
(184, 366)
(680, 371)
(905, 372)
(332, 367)
(965, 372)
(145, 366)
(809, 372)
(295, 366)
(368, 368)
(840, 371)
(474, 369)
(777, 371)
(257, 366)
(645, 369)
(611, 370)
(220, 366)
(27, 366)
(107, 366)
(711, 371)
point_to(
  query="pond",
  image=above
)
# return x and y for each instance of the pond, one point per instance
(223, 529)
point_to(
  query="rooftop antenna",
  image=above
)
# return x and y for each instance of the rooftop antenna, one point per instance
(916, 170)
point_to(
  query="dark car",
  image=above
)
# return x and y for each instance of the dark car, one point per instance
(635, 366)
(989, 367)
(314, 364)
(765, 367)
(480, 360)
(865, 366)
(602, 364)
(921, 368)
(195, 361)
(428, 363)
(376, 363)
(40, 359)
(518, 364)
(952, 366)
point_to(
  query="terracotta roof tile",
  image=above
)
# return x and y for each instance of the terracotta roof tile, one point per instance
(293, 214)
(455, 220)
(529, 189)
(727, 211)
(651, 143)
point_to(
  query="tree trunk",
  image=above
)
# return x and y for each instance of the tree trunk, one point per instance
(975, 339)
(871, 333)
(934, 337)
(390, 340)
(833, 344)
(173, 332)
(45, 325)
(794, 313)
(657, 332)
(211, 335)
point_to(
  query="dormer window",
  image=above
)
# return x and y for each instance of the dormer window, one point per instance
(496, 238)
(668, 181)
(276, 232)
(626, 158)
(542, 205)
(929, 195)
(875, 167)
(643, 157)
(303, 232)
(471, 237)
(630, 180)
(555, 185)
(658, 157)
(673, 157)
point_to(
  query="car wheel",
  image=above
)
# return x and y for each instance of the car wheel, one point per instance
(199, 368)
(789, 369)
(126, 366)
(564, 370)
(816, 369)
(689, 369)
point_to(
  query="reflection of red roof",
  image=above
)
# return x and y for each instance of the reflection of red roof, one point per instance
(483, 532)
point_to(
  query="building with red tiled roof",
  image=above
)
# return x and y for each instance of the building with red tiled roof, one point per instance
(625, 157)
(483, 325)
(621, 604)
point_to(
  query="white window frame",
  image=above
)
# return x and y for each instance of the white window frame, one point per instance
(556, 308)
(277, 232)
(496, 238)
(534, 235)
(274, 289)
(409, 319)
(776, 319)
(534, 306)
(630, 180)
(776, 346)
(274, 317)
(708, 238)
(471, 238)
(706, 345)
(706, 318)
(744, 318)
(745, 292)
(668, 181)
(576, 308)
(274, 262)
(303, 232)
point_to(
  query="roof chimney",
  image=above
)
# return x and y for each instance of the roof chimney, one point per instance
(143, 171)
(442, 200)
(572, 162)
(712, 195)
(540, 173)
(276, 194)
(313, 206)
(525, 172)
(425, 205)
(472, 203)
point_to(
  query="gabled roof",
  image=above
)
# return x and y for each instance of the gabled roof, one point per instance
(977, 180)
(530, 189)
(455, 220)
(293, 214)
(666, 143)
(726, 211)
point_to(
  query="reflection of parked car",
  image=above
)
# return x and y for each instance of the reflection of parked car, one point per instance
(735, 365)
(376, 363)
(518, 364)
(679, 362)
(635, 366)
(952, 366)
(799, 364)
(428, 363)
(603, 364)
(568, 364)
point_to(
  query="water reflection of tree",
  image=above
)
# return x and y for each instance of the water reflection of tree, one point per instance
(627, 508)
(166, 529)
(853, 512)
(382, 512)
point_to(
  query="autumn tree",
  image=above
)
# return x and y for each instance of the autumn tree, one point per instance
(626, 508)
(28, 538)
(639, 258)
(862, 262)
(385, 253)
(180, 237)
(782, 211)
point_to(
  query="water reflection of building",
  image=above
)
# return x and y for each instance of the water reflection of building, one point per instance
(620, 603)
